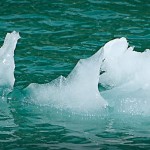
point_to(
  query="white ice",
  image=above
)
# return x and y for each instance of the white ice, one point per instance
(7, 64)
(78, 92)
(123, 65)
(127, 74)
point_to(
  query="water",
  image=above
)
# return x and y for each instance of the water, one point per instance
(54, 36)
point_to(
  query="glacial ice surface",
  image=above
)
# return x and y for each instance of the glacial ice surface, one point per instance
(7, 64)
(123, 65)
(78, 92)
(116, 66)
(127, 74)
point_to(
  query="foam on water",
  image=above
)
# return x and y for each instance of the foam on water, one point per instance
(7, 64)
(78, 92)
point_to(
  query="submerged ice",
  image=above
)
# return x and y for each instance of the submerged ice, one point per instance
(7, 64)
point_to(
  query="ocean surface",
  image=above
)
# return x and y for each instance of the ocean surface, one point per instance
(55, 35)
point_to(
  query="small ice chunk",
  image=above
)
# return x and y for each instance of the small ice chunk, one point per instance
(7, 64)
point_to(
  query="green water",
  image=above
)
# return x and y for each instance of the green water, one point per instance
(55, 35)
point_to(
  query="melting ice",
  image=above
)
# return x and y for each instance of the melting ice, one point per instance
(78, 92)
(125, 72)
(7, 64)
(123, 65)
(7, 79)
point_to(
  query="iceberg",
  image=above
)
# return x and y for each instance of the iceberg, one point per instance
(7, 64)
(122, 71)
(78, 92)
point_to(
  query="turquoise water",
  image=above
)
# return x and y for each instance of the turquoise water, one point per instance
(54, 36)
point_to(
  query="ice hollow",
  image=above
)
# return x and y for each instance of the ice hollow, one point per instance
(78, 92)
(7, 64)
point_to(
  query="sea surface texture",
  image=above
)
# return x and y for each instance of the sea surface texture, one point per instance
(78, 78)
